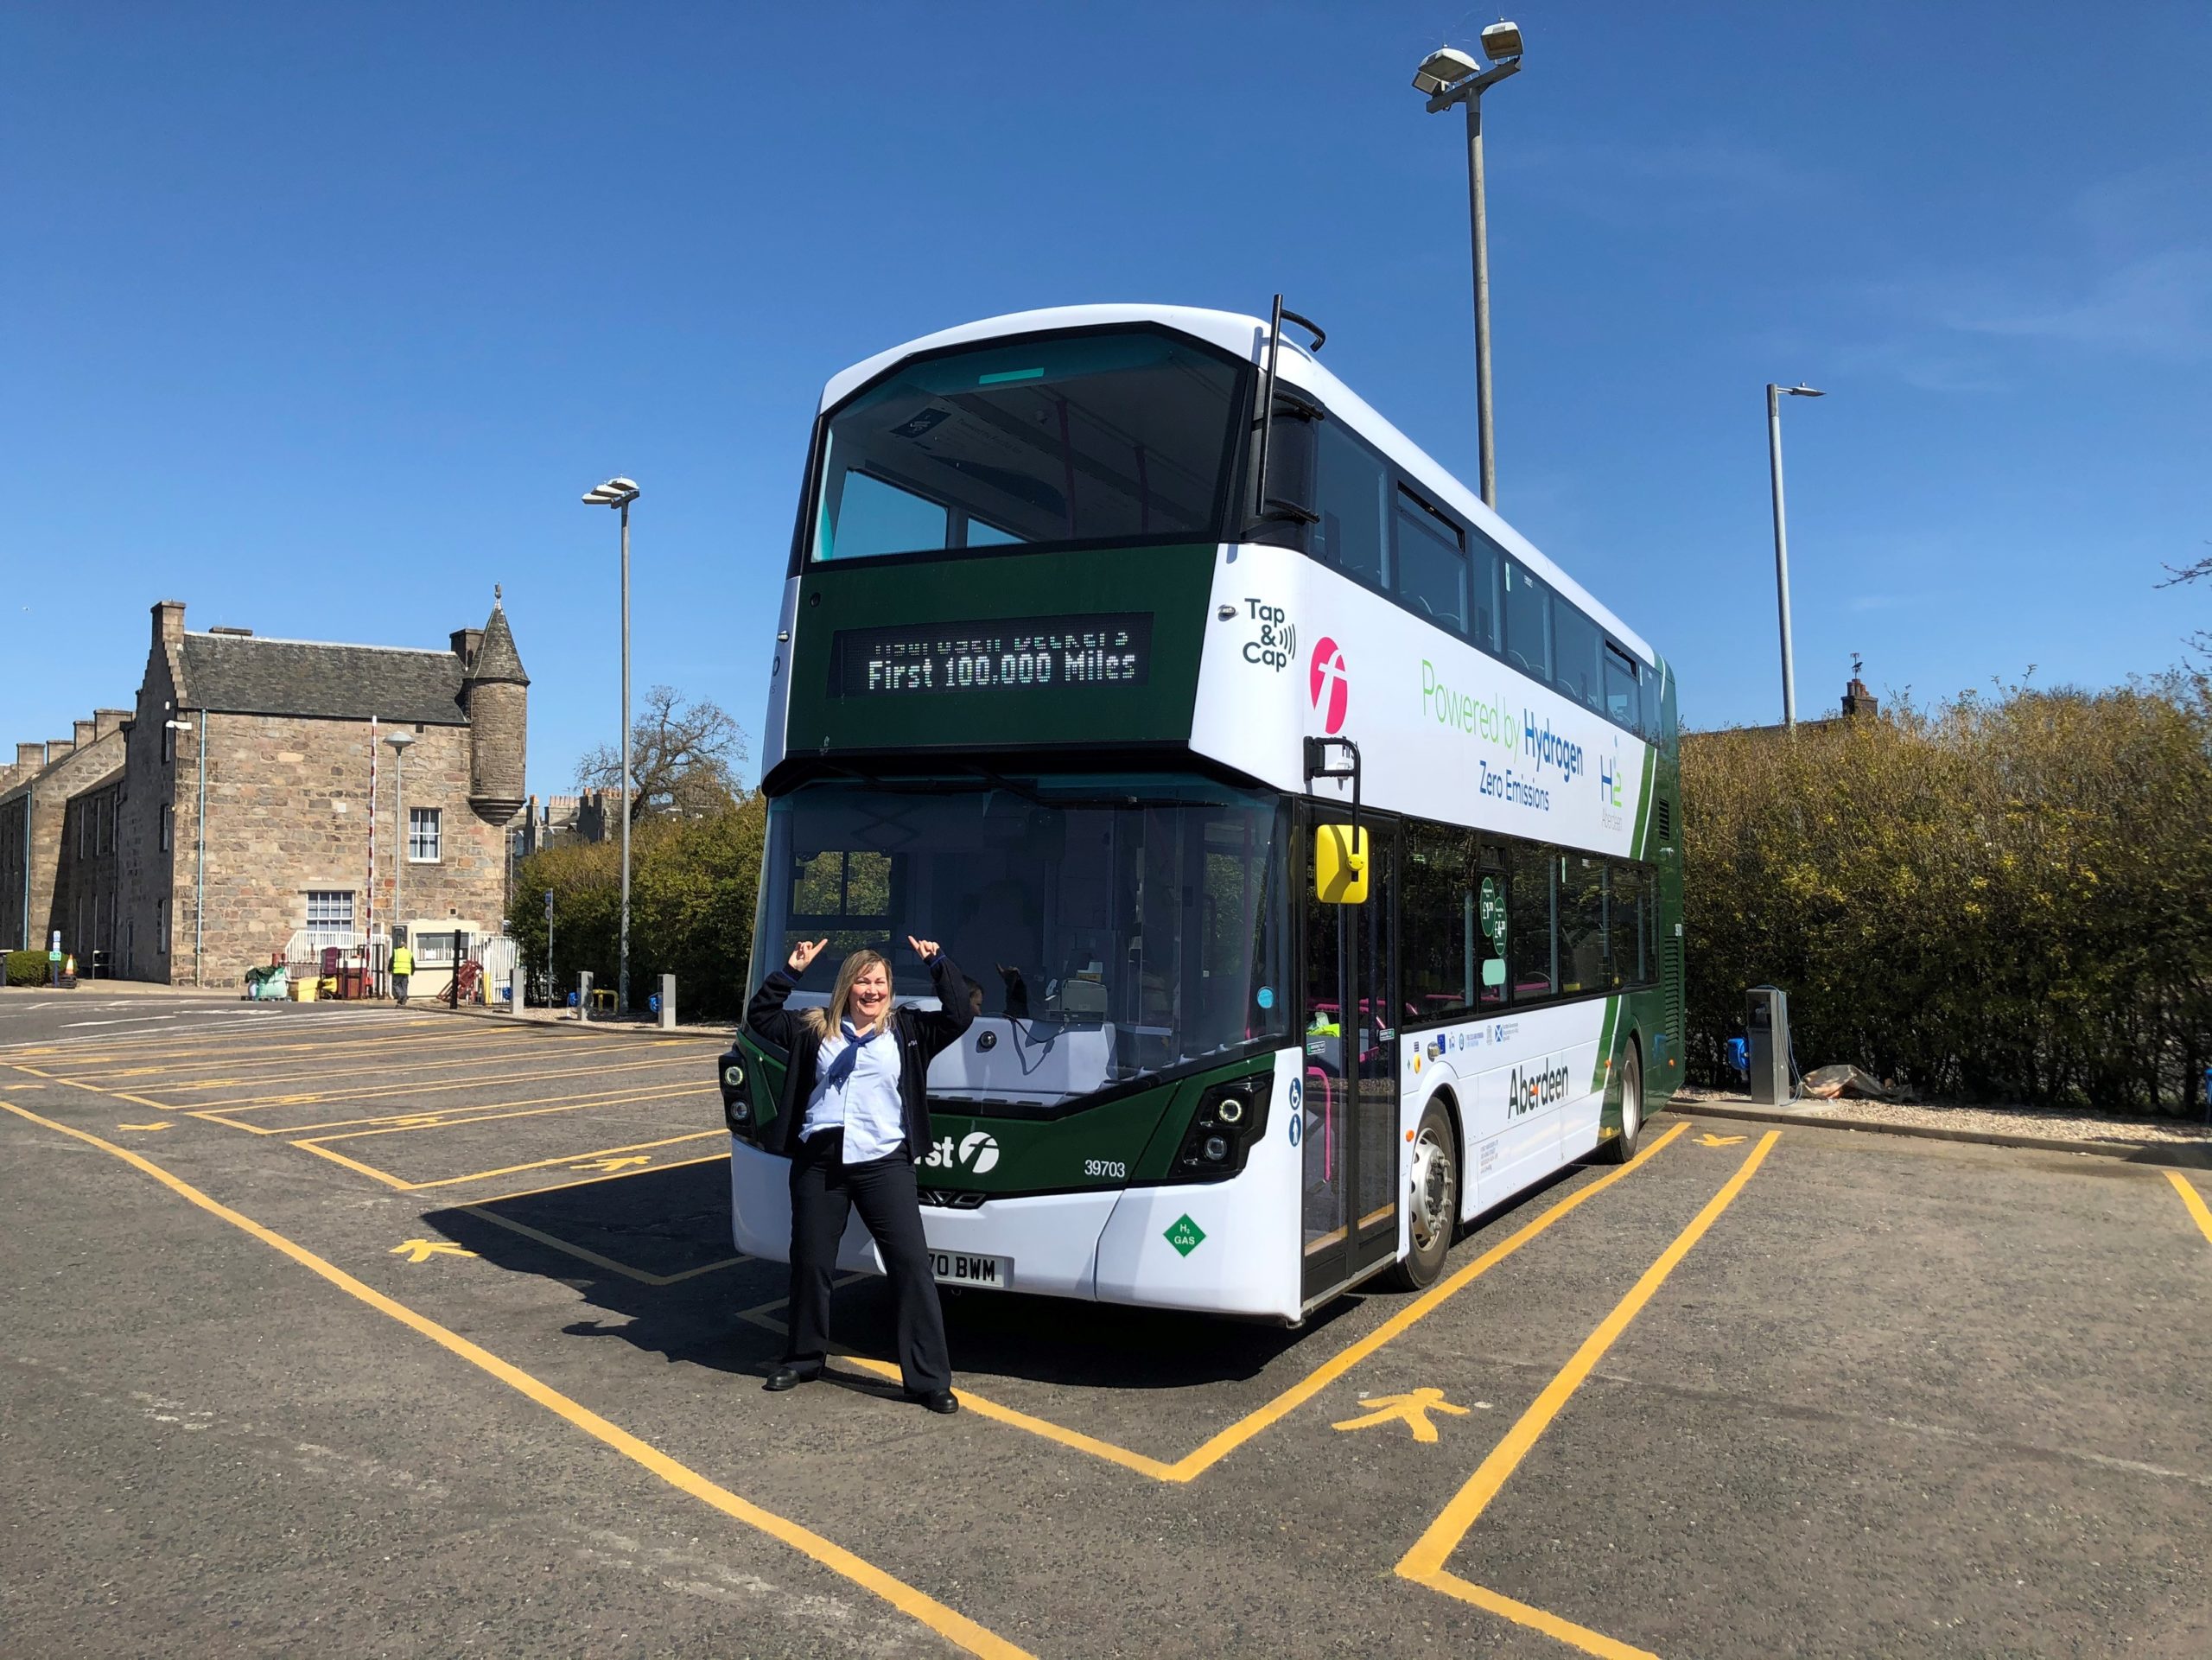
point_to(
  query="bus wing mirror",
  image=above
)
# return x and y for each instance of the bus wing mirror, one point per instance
(1339, 864)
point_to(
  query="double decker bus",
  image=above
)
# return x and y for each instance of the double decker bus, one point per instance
(1306, 835)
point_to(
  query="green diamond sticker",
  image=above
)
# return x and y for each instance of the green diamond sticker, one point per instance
(1186, 1235)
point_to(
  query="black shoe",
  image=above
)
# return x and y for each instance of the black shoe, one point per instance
(790, 1377)
(935, 1400)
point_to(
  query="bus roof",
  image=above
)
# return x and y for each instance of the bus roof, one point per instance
(1246, 337)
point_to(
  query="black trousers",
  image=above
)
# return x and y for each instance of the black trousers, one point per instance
(825, 1191)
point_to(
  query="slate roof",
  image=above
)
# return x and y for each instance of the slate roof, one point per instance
(496, 658)
(237, 674)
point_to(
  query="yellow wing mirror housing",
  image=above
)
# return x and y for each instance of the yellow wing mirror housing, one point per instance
(1340, 864)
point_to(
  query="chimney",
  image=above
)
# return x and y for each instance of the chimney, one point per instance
(169, 621)
(86, 731)
(60, 749)
(106, 721)
(467, 642)
(30, 757)
(1855, 698)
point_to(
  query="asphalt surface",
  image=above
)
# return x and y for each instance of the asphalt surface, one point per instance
(463, 1363)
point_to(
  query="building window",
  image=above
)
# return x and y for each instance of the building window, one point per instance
(84, 829)
(166, 813)
(169, 743)
(161, 927)
(330, 919)
(422, 834)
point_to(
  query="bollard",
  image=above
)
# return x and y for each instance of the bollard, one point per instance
(583, 994)
(515, 979)
(668, 1002)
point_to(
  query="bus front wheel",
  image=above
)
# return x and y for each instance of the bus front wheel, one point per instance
(1621, 1147)
(1434, 1197)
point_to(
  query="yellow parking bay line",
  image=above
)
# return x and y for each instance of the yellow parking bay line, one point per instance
(584, 1254)
(1425, 1563)
(1219, 1447)
(391, 1180)
(593, 1181)
(2193, 1202)
(400, 1123)
(303, 1096)
(948, 1623)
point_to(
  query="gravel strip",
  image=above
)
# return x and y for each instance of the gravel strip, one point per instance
(2049, 1123)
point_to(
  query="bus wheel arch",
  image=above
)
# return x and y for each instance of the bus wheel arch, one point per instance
(1620, 1149)
(1432, 1194)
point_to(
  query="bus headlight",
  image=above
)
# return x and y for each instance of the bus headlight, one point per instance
(1230, 1119)
(734, 1076)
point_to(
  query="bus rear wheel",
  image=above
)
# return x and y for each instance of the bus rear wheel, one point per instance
(1621, 1147)
(1433, 1198)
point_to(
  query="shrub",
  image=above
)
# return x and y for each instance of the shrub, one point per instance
(1994, 899)
(29, 969)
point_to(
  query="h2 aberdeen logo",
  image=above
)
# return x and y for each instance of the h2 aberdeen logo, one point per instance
(1328, 684)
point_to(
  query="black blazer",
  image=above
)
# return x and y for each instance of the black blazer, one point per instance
(923, 1034)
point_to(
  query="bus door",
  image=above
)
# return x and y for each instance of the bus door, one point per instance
(1349, 1099)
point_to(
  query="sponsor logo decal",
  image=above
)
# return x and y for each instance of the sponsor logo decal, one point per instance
(1274, 644)
(1612, 806)
(1542, 1083)
(976, 1151)
(1328, 684)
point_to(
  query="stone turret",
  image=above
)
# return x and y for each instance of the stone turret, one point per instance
(496, 693)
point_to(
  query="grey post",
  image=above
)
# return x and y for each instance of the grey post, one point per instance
(399, 740)
(668, 1002)
(1449, 78)
(1781, 539)
(583, 994)
(516, 976)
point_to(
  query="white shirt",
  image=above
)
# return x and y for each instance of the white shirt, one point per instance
(857, 1089)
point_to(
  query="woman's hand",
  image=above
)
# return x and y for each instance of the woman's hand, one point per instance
(802, 954)
(924, 949)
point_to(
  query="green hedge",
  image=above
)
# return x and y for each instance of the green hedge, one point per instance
(1996, 898)
(29, 969)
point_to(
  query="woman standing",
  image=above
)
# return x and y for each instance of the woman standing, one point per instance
(853, 1122)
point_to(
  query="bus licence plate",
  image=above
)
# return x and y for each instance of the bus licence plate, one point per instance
(960, 1267)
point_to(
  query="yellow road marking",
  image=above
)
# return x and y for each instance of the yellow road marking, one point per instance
(159, 1123)
(1424, 1563)
(1411, 1409)
(1196, 1463)
(421, 1250)
(438, 1118)
(1710, 1140)
(591, 1181)
(947, 1623)
(457, 1119)
(391, 1180)
(583, 1254)
(226, 1054)
(376, 1091)
(2195, 1202)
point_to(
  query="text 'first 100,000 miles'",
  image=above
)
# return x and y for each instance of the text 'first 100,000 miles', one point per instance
(1012, 654)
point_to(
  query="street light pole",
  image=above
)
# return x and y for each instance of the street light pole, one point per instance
(1774, 396)
(399, 741)
(622, 961)
(1451, 77)
(620, 493)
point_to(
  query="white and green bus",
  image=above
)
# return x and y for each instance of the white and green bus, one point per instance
(1103, 628)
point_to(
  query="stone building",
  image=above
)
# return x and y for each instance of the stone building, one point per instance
(293, 746)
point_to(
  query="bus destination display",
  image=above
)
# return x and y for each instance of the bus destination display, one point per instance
(1006, 654)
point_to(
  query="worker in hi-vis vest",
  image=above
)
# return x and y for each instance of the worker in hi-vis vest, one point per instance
(403, 964)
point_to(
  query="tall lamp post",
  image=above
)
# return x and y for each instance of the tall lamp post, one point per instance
(1451, 77)
(399, 741)
(620, 494)
(1774, 395)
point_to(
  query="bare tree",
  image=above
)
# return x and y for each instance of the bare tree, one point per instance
(683, 758)
(2201, 571)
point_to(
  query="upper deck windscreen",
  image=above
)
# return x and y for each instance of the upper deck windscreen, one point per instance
(1104, 437)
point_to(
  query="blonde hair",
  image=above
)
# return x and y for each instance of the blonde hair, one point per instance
(824, 1020)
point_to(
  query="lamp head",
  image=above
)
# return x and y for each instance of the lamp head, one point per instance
(1501, 42)
(615, 492)
(1443, 68)
(400, 739)
(1801, 389)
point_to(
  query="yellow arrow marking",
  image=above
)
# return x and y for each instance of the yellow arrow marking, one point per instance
(416, 1122)
(610, 1164)
(1710, 1140)
(421, 1250)
(159, 1123)
(1413, 1407)
(296, 1100)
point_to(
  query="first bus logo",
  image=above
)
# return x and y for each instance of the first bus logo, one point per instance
(1328, 684)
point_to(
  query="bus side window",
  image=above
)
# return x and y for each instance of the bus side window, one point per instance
(1621, 688)
(1575, 654)
(1482, 562)
(1351, 494)
(1533, 945)
(1431, 563)
(1528, 623)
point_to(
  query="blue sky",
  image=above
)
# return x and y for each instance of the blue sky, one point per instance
(322, 318)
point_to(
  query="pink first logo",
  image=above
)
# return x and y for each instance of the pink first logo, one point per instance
(1328, 684)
